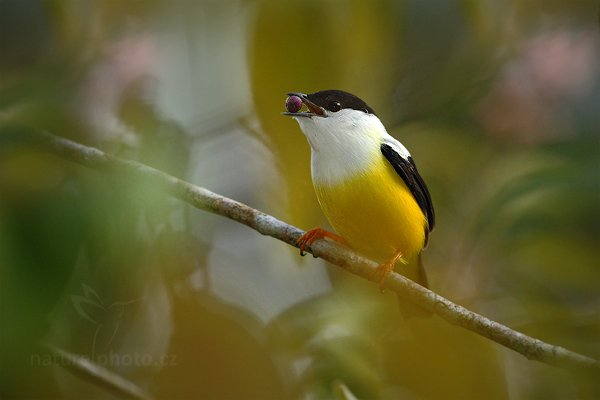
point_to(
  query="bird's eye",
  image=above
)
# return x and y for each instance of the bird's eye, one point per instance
(335, 106)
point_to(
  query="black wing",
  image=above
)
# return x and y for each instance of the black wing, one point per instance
(406, 168)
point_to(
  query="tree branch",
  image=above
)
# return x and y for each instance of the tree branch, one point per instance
(86, 369)
(533, 349)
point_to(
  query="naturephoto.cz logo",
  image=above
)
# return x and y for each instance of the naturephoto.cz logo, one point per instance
(105, 360)
(107, 320)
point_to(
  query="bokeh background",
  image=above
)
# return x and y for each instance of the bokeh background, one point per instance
(498, 101)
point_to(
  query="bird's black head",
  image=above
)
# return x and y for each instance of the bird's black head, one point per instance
(320, 103)
(336, 100)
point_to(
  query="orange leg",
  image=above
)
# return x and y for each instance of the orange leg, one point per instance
(387, 267)
(310, 236)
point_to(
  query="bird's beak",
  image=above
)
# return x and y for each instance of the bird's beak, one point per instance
(313, 109)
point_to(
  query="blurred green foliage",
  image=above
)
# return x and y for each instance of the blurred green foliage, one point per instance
(497, 101)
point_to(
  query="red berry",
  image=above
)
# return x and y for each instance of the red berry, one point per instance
(293, 104)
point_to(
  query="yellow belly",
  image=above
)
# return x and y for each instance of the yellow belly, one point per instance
(375, 212)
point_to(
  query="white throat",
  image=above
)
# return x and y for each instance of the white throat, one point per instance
(343, 144)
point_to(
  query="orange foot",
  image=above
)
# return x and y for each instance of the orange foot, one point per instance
(314, 234)
(387, 267)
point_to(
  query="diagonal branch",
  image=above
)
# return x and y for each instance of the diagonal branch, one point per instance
(85, 368)
(533, 349)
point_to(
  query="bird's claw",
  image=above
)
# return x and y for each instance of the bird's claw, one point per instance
(387, 267)
(310, 236)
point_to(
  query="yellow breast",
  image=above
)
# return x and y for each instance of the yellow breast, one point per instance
(375, 212)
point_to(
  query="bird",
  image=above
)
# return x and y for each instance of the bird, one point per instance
(366, 182)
